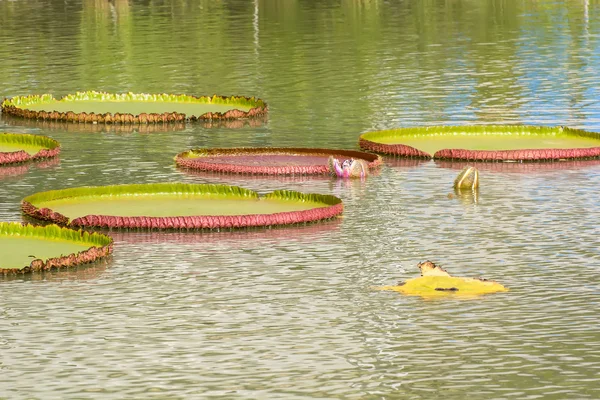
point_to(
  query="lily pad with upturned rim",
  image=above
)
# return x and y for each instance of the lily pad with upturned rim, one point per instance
(132, 108)
(21, 147)
(29, 248)
(269, 160)
(485, 143)
(177, 206)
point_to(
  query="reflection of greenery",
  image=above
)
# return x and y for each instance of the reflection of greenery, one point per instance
(344, 66)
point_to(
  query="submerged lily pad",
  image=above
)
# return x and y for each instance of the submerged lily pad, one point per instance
(28, 248)
(269, 160)
(20, 147)
(485, 143)
(177, 206)
(436, 282)
(437, 286)
(136, 108)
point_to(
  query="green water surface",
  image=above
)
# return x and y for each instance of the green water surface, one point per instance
(16, 251)
(134, 107)
(431, 144)
(171, 205)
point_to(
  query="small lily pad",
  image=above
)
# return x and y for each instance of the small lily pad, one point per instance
(132, 108)
(485, 143)
(436, 282)
(28, 248)
(20, 147)
(436, 286)
(178, 206)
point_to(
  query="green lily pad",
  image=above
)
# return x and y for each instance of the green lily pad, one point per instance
(441, 286)
(28, 248)
(178, 206)
(20, 147)
(101, 107)
(436, 282)
(485, 143)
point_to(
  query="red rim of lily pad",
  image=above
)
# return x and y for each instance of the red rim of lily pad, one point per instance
(248, 107)
(269, 160)
(99, 246)
(48, 147)
(381, 142)
(325, 207)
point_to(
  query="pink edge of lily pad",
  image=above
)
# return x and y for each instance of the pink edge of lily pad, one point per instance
(186, 222)
(518, 155)
(83, 257)
(22, 156)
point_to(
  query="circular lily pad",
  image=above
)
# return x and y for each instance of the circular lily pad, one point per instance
(28, 248)
(132, 108)
(269, 160)
(177, 206)
(20, 147)
(485, 143)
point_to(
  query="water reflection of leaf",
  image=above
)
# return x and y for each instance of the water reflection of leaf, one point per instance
(85, 272)
(241, 238)
(14, 170)
(466, 196)
(404, 162)
(74, 127)
(520, 167)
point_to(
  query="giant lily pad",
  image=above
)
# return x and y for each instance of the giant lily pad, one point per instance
(485, 143)
(436, 282)
(27, 248)
(100, 107)
(177, 206)
(269, 160)
(19, 147)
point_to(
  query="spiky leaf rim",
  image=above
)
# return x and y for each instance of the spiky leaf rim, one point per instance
(50, 147)
(331, 207)
(17, 106)
(192, 159)
(372, 141)
(100, 245)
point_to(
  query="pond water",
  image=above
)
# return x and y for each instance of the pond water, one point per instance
(289, 313)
